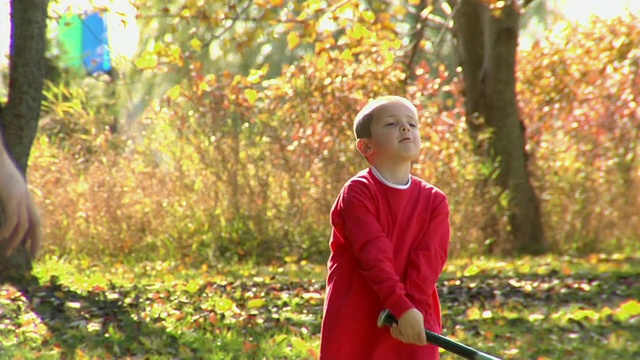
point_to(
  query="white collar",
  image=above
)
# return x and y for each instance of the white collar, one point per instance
(384, 181)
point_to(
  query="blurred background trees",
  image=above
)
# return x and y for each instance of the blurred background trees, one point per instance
(226, 135)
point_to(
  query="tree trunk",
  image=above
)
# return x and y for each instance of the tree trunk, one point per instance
(26, 78)
(19, 118)
(486, 44)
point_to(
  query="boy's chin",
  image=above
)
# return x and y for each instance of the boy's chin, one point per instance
(413, 156)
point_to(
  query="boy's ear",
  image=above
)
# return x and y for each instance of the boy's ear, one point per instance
(364, 147)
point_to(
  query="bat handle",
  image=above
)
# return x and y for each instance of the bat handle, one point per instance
(386, 318)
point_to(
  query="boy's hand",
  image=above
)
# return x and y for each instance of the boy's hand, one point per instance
(410, 328)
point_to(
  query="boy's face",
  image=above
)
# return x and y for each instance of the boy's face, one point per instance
(394, 133)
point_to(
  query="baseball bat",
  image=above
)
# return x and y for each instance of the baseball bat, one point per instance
(386, 318)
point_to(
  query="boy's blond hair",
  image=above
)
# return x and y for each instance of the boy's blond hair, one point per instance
(362, 122)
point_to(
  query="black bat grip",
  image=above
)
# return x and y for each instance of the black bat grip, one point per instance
(386, 318)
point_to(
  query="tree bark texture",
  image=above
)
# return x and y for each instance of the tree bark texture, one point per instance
(26, 78)
(486, 44)
(19, 118)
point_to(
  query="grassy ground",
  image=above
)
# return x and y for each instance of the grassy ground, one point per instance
(542, 308)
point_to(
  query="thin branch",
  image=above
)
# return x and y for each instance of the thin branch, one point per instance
(416, 39)
(446, 26)
(236, 18)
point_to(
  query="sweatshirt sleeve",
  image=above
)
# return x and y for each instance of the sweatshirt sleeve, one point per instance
(428, 258)
(356, 217)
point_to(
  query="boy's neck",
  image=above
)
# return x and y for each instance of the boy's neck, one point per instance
(394, 173)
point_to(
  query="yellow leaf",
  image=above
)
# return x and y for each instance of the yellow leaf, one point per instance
(449, 102)
(536, 317)
(168, 278)
(255, 303)
(369, 16)
(158, 48)
(424, 13)
(314, 5)
(251, 95)
(346, 55)
(224, 305)
(629, 308)
(473, 313)
(146, 61)
(192, 286)
(254, 76)
(359, 32)
(293, 40)
(584, 313)
(210, 78)
(311, 295)
(174, 92)
(605, 311)
(400, 10)
(176, 52)
(203, 87)
(322, 61)
(196, 44)
(446, 8)
(471, 270)
(525, 267)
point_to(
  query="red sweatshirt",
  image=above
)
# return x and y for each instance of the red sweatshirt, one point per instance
(388, 248)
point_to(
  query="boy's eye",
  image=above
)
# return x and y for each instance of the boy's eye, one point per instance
(413, 125)
(390, 124)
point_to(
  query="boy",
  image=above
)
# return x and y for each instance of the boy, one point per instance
(389, 244)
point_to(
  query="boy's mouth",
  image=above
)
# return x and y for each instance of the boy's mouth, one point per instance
(405, 139)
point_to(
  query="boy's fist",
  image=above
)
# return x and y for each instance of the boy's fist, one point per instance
(410, 328)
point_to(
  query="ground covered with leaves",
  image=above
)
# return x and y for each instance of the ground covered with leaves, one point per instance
(534, 308)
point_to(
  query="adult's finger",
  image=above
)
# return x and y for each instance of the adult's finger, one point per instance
(17, 225)
(34, 233)
(10, 210)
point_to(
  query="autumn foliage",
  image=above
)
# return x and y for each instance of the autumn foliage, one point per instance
(246, 165)
(579, 97)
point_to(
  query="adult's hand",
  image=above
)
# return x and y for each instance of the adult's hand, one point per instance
(21, 222)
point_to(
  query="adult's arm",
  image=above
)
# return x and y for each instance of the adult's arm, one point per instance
(21, 222)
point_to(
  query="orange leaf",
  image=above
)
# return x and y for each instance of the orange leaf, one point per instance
(248, 347)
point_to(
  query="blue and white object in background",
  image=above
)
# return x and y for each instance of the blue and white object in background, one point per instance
(96, 55)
